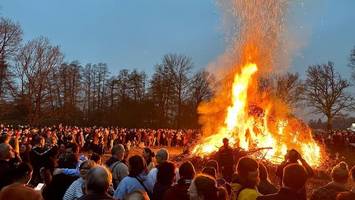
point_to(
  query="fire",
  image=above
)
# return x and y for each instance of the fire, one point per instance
(249, 131)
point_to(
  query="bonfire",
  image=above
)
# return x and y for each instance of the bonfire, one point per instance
(240, 111)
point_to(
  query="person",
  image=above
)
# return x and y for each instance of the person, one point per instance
(350, 195)
(148, 156)
(8, 162)
(220, 181)
(75, 190)
(244, 183)
(136, 179)
(225, 158)
(137, 195)
(265, 186)
(97, 184)
(58, 184)
(293, 181)
(118, 168)
(293, 156)
(161, 157)
(19, 189)
(96, 158)
(204, 187)
(165, 180)
(340, 175)
(117, 154)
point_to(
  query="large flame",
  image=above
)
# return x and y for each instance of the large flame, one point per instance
(247, 131)
(241, 111)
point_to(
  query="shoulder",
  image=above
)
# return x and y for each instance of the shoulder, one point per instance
(248, 194)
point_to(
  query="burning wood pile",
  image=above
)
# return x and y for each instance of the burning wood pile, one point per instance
(240, 111)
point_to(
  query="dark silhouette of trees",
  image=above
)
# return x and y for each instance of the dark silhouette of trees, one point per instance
(352, 63)
(10, 39)
(325, 91)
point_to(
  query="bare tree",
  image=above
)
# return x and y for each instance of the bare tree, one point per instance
(288, 88)
(325, 91)
(179, 67)
(10, 39)
(34, 65)
(352, 63)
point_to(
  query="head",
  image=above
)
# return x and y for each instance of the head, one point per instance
(340, 173)
(39, 141)
(187, 171)
(293, 155)
(248, 171)
(137, 195)
(162, 155)
(166, 173)
(96, 158)
(214, 164)
(352, 173)
(209, 171)
(23, 173)
(98, 180)
(72, 148)
(263, 174)
(294, 176)
(118, 151)
(136, 165)
(203, 187)
(85, 167)
(148, 154)
(6, 152)
(225, 142)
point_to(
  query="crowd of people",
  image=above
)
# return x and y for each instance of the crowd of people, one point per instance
(337, 138)
(69, 163)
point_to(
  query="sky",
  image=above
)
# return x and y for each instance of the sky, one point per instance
(137, 33)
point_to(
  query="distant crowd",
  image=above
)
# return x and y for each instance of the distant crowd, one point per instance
(337, 138)
(68, 163)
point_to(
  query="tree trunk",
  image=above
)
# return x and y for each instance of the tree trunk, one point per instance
(329, 122)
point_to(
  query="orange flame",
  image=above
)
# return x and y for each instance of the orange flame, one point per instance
(249, 131)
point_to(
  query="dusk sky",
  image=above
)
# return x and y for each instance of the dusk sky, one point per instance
(137, 33)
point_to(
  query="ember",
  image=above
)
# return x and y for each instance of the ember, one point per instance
(248, 116)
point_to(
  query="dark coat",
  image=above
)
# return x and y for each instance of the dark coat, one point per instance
(283, 194)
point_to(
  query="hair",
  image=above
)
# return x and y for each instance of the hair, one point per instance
(263, 174)
(345, 196)
(137, 195)
(151, 154)
(166, 173)
(209, 171)
(352, 172)
(95, 157)
(206, 187)
(244, 167)
(293, 155)
(98, 180)
(294, 176)
(187, 170)
(73, 146)
(117, 148)
(4, 138)
(214, 164)
(163, 154)
(4, 150)
(136, 165)
(340, 173)
(90, 163)
(21, 171)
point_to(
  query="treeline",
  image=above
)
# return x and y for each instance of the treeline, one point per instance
(37, 87)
